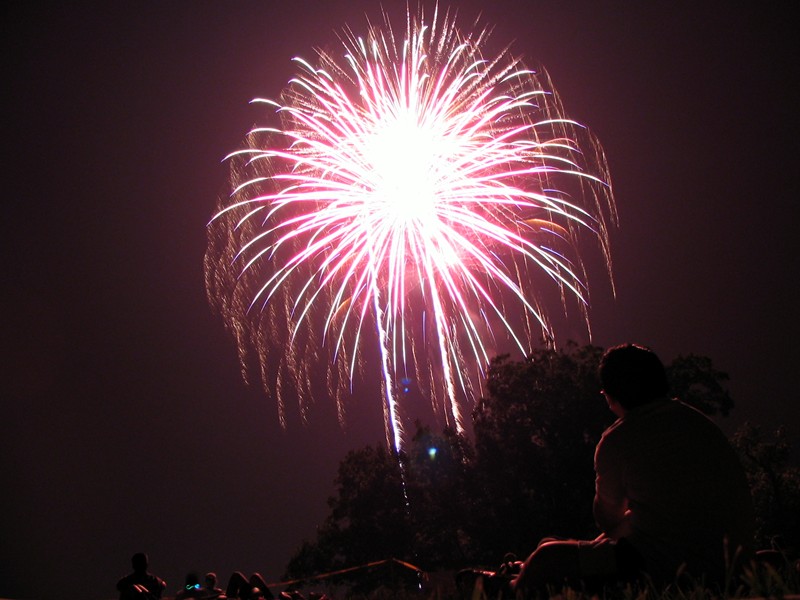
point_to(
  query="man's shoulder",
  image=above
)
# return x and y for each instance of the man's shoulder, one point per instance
(638, 422)
(613, 427)
(656, 414)
(153, 581)
(611, 443)
(667, 422)
(133, 578)
(613, 432)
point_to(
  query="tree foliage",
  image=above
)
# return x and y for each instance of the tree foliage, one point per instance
(774, 483)
(535, 435)
(395, 506)
(694, 380)
(368, 517)
(440, 493)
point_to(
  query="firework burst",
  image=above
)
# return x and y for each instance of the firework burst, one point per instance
(405, 205)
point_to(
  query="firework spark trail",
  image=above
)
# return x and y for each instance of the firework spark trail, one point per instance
(409, 190)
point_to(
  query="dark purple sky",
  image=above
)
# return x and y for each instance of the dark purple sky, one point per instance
(125, 424)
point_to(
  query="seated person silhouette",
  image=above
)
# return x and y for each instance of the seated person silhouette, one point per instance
(141, 584)
(670, 493)
(210, 589)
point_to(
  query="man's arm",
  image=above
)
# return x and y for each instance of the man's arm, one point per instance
(611, 517)
(610, 502)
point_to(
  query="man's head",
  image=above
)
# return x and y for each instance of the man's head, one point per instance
(139, 562)
(632, 375)
(211, 580)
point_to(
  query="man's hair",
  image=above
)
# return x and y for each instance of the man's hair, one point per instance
(633, 375)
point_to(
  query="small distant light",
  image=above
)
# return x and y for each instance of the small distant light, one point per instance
(432, 453)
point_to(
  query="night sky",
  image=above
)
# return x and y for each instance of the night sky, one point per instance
(125, 423)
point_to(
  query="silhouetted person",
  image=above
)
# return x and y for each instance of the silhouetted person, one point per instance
(670, 493)
(191, 588)
(211, 590)
(141, 584)
(247, 589)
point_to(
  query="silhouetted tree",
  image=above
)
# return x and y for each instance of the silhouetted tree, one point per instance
(368, 519)
(535, 435)
(774, 483)
(694, 380)
(441, 496)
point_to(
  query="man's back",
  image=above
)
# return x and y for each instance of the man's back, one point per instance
(140, 585)
(685, 489)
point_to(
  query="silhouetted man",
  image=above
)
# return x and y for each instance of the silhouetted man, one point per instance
(670, 493)
(141, 584)
(211, 590)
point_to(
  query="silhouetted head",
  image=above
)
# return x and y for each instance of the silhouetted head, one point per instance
(139, 562)
(192, 581)
(211, 580)
(632, 375)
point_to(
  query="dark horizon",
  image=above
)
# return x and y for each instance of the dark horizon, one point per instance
(127, 425)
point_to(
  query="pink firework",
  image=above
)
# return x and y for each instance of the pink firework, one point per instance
(403, 206)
